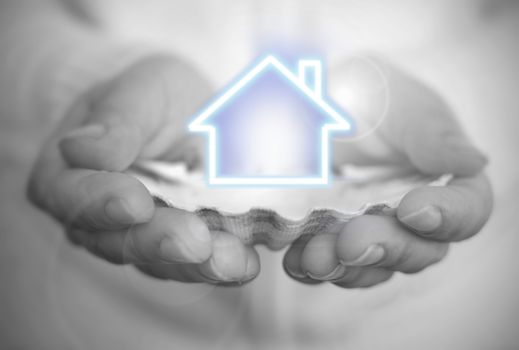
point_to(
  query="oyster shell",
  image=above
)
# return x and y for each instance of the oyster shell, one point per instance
(277, 216)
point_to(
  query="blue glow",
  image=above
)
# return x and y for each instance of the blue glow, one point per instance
(271, 127)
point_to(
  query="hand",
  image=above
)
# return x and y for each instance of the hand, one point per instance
(78, 177)
(419, 131)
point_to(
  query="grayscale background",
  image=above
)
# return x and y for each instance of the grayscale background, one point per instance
(56, 296)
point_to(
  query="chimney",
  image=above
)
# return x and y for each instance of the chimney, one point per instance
(310, 74)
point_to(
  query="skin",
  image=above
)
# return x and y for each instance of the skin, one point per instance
(419, 132)
(78, 179)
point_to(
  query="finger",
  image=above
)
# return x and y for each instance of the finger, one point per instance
(171, 236)
(418, 126)
(320, 262)
(85, 198)
(381, 241)
(319, 259)
(192, 272)
(363, 277)
(140, 113)
(451, 213)
(229, 261)
(93, 200)
(292, 261)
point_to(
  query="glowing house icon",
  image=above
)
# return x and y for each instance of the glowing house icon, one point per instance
(271, 127)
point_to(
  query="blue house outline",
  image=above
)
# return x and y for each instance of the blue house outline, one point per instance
(314, 94)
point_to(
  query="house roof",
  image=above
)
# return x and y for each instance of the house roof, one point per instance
(341, 122)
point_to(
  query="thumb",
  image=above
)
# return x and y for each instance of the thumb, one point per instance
(418, 130)
(426, 131)
(140, 114)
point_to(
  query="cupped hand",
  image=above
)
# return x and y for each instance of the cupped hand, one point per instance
(419, 132)
(79, 177)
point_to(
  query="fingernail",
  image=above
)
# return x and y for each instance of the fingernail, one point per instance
(198, 229)
(228, 260)
(252, 269)
(372, 255)
(119, 211)
(427, 219)
(211, 271)
(175, 250)
(296, 274)
(94, 131)
(337, 272)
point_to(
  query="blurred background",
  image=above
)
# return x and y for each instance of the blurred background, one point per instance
(56, 296)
